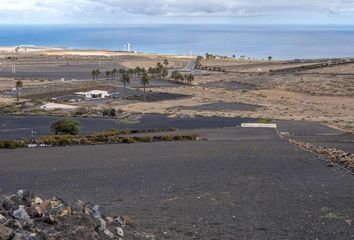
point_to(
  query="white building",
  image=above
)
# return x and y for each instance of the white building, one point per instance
(94, 94)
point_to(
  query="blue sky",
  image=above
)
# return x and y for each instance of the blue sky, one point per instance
(176, 11)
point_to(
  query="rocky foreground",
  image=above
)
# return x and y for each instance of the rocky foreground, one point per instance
(332, 154)
(24, 216)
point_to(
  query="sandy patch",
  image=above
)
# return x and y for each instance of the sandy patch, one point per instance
(278, 104)
(6, 100)
(8, 83)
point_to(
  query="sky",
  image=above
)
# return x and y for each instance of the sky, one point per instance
(177, 11)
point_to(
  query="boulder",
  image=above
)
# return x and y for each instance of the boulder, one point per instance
(6, 233)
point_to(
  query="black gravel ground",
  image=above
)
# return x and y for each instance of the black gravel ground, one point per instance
(241, 184)
(22, 126)
(317, 134)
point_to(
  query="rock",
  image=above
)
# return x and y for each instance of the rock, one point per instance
(56, 211)
(25, 197)
(25, 217)
(6, 233)
(109, 220)
(120, 232)
(21, 215)
(37, 201)
(43, 207)
(22, 235)
(120, 221)
(2, 219)
(108, 233)
(78, 206)
(7, 203)
(55, 202)
(48, 218)
(96, 213)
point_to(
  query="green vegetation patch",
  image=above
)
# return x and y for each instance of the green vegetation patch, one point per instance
(107, 137)
(264, 120)
(66, 126)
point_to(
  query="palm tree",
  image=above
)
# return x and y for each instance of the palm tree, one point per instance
(190, 78)
(114, 73)
(98, 73)
(164, 72)
(145, 81)
(186, 77)
(19, 84)
(93, 74)
(108, 74)
(125, 79)
(270, 58)
(180, 77)
(165, 62)
(174, 75)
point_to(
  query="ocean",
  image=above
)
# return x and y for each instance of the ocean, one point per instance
(254, 41)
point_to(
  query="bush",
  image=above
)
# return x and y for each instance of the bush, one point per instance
(109, 112)
(8, 144)
(126, 132)
(264, 120)
(66, 126)
(144, 139)
(80, 111)
(128, 140)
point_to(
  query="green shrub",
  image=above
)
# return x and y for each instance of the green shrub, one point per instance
(167, 138)
(264, 120)
(109, 112)
(80, 111)
(126, 131)
(144, 139)
(8, 144)
(128, 140)
(66, 126)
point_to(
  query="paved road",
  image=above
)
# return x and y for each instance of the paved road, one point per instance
(241, 184)
(190, 67)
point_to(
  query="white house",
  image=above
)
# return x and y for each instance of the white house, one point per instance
(94, 94)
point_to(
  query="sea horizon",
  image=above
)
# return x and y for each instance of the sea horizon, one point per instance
(256, 41)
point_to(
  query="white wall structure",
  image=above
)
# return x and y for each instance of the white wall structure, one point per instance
(258, 125)
(94, 94)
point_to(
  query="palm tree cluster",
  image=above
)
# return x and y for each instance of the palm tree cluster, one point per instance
(180, 78)
(198, 62)
(95, 74)
(160, 70)
(111, 74)
(209, 56)
(141, 73)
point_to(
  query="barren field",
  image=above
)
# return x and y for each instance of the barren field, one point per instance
(324, 94)
(240, 184)
(229, 183)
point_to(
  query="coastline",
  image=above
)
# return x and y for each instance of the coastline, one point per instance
(22, 49)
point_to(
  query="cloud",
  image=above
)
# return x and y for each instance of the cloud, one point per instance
(111, 10)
